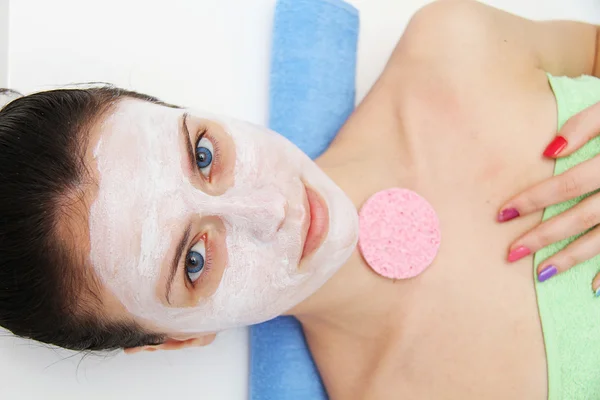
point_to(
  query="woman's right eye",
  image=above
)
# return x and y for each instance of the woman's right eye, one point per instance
(194, 261)
(204, 155)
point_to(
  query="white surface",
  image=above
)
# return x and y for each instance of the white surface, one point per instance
(210, 54)
(3, 42)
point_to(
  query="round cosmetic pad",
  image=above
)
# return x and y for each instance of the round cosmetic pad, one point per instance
(399, 233)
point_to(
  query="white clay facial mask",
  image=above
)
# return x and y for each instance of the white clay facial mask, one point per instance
(245, 219)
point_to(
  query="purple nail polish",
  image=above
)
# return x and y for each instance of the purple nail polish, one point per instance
(547, 273)
(508, 214)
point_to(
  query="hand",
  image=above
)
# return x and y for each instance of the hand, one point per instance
(579, 180)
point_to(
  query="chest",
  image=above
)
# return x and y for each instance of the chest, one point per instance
(473, 325)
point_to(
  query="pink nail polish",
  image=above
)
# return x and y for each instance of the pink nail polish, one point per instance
(558, 144)
(507, 214)
(518, 253)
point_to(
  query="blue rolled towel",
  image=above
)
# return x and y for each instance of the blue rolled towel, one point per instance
(312, 93)
(313, 70)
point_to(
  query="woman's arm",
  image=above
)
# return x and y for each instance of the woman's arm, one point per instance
(484, 52)
(479, 40)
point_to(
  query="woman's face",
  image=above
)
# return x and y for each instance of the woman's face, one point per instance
(202, 223)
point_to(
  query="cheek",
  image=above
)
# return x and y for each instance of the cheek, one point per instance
(247, 255)
(259, 155)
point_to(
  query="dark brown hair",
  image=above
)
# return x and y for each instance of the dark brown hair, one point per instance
(43, 139)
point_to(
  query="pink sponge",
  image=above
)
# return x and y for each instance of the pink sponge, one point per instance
(399, 233)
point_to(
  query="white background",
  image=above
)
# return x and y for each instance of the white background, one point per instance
(208, 54)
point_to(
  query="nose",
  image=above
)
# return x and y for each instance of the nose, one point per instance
(262, 212)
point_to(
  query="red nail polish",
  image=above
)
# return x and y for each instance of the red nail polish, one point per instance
(555, 147)
(518, 253)
(507, 214)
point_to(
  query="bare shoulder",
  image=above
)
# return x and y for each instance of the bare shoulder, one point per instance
(466, 40)
(445, 27)
(455, 53)
(467, 63)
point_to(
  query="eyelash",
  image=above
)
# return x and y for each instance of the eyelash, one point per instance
(207, 262)
(208, 258)
(217, 151)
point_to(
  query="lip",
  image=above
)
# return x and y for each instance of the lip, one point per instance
(318, 222)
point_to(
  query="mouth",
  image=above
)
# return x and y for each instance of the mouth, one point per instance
(318, 222)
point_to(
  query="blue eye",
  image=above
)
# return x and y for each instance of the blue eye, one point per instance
(204, 155)
(194, 261)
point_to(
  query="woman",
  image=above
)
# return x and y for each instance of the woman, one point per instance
(129, 223)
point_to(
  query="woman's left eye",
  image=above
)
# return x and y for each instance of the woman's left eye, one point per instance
(194, 261)
(204, 155)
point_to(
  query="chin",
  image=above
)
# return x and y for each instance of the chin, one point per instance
(335, 239)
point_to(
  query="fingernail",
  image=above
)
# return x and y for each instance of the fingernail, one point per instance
(518, 253)
(597, 292)
(555, 147)
(507, 214)
(547, 273)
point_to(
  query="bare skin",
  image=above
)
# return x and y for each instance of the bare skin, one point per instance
(461, 115)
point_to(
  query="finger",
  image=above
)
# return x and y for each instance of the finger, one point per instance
(596, 285)
(576, 132)
(580, 250)
(581, 179)
(578, 219)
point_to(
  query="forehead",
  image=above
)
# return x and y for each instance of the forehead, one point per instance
(132, 117)
(128, 122)
(135, 155)
(137, 158)
(128, 119)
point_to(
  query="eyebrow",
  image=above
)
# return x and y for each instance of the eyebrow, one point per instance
(176, 259)
(186, 137)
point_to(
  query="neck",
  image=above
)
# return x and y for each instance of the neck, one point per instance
(355, 300)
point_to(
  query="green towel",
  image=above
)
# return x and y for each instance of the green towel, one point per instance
(569, 311)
